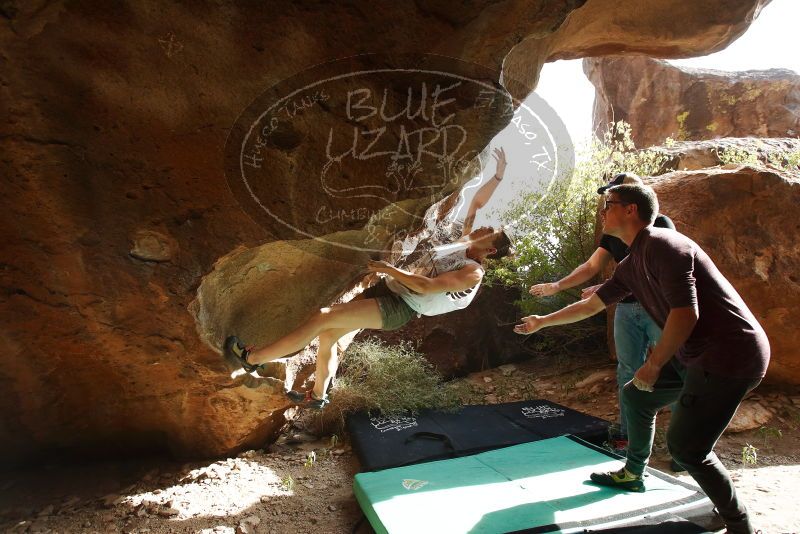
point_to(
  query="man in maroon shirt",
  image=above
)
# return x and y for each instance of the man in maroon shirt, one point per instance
(721, 352)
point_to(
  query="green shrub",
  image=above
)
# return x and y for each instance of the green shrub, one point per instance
(738, 156)
(768, 432)
(555, 232)
(749, 455)
(780, 159)
(287, 483)
(390, 379)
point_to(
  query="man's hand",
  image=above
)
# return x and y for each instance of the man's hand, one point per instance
(500, 157)
(589, 291)
(375, 266)
(647, 375)
(530, 324)
(544, 290)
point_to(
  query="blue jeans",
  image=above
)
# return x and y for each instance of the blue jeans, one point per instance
(634, 331)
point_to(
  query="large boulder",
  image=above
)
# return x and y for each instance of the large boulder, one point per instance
(749, 416)
(662, 28)
(745, 219)
(127, 256)
(660, 100)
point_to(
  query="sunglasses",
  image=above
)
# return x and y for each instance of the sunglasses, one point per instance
(608, 203)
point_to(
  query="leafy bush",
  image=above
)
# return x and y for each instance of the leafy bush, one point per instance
(782, 159)
(738, 156)
(555, 232)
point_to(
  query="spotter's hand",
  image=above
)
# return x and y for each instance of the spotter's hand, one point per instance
(530, 324)
(647, 375)
(544, 290)
(589, 291)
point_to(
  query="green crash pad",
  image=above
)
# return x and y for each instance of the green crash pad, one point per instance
(537, 487)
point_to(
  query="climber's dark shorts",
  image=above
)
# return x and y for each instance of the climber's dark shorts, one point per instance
(394, 310)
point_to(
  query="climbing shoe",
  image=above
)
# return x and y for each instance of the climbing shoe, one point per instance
(307, 399)
(236, 355)
(622, 479)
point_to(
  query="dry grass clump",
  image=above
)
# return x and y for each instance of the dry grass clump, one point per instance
(389, 379)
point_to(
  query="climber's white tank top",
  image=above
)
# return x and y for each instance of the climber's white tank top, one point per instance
(437, 261)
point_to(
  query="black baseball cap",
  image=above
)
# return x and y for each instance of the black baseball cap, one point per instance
(619, 179)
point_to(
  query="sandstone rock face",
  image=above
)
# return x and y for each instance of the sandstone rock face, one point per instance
(127, 254)
(745, 219)
(660, 100)
(749, 416)
(665, 29)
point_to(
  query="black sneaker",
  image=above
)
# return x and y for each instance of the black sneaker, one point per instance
(307, 399)
(622, 479)
(236, 355)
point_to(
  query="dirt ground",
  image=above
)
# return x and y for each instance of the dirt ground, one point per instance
(303, 483)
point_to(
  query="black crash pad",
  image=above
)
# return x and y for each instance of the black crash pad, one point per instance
(382, 442)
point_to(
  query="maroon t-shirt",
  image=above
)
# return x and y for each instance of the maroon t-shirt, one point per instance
(666, 269)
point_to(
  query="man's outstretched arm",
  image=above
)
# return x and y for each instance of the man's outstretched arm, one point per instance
(582, 273)
(464, 278)
(573, 313)
(486, 191)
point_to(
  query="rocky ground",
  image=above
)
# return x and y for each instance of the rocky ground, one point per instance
(303, 483)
